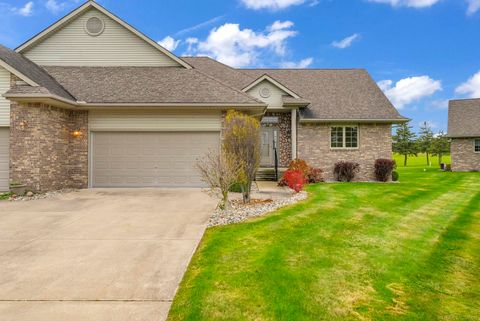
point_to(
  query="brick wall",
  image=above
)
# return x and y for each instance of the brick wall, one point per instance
(43, 152)
(314, 147)
(464, 158)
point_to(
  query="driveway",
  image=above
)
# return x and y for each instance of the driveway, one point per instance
(98, 254)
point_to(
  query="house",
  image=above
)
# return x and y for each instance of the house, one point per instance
(464, 132)
(92, 102)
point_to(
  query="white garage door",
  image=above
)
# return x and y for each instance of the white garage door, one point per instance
(149, 159)
(4, 158)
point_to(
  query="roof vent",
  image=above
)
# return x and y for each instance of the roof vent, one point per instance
(94, 26)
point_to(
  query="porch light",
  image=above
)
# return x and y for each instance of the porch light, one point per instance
(77, 133)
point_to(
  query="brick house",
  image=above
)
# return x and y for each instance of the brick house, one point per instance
(92, 102)
(464, 132)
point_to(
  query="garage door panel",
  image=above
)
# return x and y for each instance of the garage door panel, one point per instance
(149, 159)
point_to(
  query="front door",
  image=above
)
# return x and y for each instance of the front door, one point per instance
(269, 141)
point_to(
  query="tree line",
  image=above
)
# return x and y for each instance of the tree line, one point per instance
(407, 143)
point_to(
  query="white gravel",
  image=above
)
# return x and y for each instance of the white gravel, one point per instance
(240, 212)
(25, 198)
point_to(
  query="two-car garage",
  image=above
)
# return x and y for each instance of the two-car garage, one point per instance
(150, 149)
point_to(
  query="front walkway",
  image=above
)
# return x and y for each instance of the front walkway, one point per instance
(98, 254)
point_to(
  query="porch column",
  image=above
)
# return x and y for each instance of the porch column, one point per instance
(294, 133)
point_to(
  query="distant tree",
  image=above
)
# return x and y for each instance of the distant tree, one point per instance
(404, 141)
(425, 141)
(441, 146)
(241, 138)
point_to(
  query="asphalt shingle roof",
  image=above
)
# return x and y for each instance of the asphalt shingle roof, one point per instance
(33, 71)
(146, 85)
(464, 118)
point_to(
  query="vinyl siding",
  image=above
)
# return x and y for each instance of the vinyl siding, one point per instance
(4, 103)
(154, 121)
(275, 99)
(4, 158)
(116, 46)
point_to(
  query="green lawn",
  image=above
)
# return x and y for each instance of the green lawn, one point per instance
(362, 251)
(421, 160)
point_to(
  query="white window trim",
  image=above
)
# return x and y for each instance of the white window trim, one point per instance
(474, 144)
(344, 136)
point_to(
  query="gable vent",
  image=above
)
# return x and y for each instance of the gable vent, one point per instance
(94, 26)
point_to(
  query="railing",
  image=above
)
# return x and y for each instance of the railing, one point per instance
(276, 162)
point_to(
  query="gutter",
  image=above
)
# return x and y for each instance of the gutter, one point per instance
(361, 121)
(58, 100)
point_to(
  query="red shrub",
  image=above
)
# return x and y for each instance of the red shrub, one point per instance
(346, 171)
(384, 169)
(294, 179)
(315, 175)
(299, 165)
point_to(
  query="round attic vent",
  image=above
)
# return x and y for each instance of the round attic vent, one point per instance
(265, 92)
(94, 26)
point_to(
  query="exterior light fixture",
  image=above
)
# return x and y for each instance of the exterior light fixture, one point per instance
(77, 133)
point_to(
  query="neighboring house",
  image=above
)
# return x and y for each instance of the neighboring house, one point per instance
(464, 132)
(92, 102)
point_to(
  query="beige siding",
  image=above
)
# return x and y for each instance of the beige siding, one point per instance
(154, 121)
(116, 46)
(149, 159)
(4, 103)
(4, 158)
(275, 99)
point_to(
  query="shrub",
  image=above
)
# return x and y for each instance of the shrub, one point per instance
(315, 175)
(448, 168)
(294, 179)
(236, 188)
(395, 176)
(346, 171)
(299, 165)
(384, 169)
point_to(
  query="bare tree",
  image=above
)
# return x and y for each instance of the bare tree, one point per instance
(241, 138)
(220, 172)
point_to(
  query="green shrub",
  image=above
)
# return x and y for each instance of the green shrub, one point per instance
(236, 188)
(448, 168)
(395, 176)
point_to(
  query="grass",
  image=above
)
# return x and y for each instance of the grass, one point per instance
(354, 251)
(421, 160)
(5, 196)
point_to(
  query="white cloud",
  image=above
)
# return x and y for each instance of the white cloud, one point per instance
(473, 6)
(304, 63)
(273, 4)
(410, 89)
(408, 3)
(439, 104)
(54, 7)
(199, 26)
(26, 10)
(471, 87)
(346, 42)
(244, 47)
(169, 43)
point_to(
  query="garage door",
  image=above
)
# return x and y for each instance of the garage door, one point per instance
(149, 159)
(4, 158)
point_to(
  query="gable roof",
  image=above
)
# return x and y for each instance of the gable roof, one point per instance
(464, 118)
(31, 73)
(146, 85)
(266, 77)
(335, 94)
(86, 6)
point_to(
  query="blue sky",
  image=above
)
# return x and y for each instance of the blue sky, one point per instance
(421, 52)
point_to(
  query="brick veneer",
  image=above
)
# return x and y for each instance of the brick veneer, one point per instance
(285, 136)
(464, 158)
(314, 147)
(44, 155)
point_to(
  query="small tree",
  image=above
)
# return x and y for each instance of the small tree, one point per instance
(404, 141)
(220, 172)
(425, 141)
(241, 138)
(441, 146)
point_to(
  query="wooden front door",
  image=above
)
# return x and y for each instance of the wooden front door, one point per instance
(269, 141)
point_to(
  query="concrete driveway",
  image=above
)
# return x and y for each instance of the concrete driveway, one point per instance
(98, 254)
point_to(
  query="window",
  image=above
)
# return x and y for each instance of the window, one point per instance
(477, 145)
(344, 137)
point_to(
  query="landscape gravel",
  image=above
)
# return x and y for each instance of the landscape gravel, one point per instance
(33, 196)
(239, 212)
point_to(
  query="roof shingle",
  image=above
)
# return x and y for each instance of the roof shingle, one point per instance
(464, 118)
